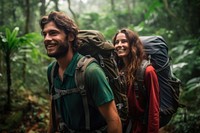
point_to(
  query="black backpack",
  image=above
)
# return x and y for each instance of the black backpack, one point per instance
(157, 52)
(94, 44)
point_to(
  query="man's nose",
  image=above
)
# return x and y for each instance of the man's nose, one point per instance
(47, 37)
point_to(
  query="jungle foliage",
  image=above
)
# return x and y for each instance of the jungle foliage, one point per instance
(23, 60)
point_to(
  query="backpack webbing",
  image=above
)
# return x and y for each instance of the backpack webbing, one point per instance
(79, 80)
(139, 82)
(139, 86)
(93, 42)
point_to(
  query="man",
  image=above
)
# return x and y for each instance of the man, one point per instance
(60, 40)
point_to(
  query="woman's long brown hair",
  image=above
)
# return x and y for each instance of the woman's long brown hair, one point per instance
(135, 56)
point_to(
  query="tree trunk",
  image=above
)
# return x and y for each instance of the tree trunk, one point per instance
(56, 5)
(168, 9)
(2, 13)
(8, 72)
(43, 7)
(128, 4)
(1, 64)
(194, 17)
(27, 14)
(112, 5)
(73, 14)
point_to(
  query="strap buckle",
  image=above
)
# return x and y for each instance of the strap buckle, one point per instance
(62, 127)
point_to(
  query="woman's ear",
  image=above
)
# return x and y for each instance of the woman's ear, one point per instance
(70, 37)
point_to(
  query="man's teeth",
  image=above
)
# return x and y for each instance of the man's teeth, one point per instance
(50, 46)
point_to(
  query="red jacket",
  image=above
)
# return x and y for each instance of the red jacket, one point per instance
(138, 106)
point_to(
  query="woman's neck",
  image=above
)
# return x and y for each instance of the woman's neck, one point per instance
(126, 62)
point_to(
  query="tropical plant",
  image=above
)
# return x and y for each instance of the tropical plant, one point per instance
(10, 44)
(186, 60)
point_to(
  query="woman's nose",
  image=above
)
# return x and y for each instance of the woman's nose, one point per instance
(119, 43)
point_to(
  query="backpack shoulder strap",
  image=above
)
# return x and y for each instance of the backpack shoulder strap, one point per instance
(53, 116)
(139, 78)
(80, 70)
(141, 70)
(80, 82)
(139, 85)
(51, 77)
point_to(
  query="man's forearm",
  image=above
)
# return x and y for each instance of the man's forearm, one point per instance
(114, 126)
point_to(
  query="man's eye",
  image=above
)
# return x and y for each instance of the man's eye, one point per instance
(43, 33)
(53, 33)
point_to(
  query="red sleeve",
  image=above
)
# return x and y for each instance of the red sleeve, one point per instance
(152, 85)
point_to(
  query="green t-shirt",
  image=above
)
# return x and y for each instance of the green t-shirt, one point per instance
(71, 106)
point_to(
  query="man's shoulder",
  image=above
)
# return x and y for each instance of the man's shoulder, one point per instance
(93, 67)
(51, 65)
(88, 62)
(90, 66)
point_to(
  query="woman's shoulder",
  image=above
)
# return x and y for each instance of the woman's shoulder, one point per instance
(149, 69)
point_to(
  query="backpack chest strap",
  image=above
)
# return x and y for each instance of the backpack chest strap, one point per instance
(60, 93)
(80, 82)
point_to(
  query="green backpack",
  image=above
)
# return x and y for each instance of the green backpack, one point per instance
(94, 44)
(95, 48)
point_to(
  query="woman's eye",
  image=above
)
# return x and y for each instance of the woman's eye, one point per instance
(117, 42)
(124, 41)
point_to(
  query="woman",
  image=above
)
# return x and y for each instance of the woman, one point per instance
(143, 109)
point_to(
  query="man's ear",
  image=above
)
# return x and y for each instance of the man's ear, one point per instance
(70, 37)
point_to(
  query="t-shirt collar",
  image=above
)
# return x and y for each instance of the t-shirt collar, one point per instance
(72, 65)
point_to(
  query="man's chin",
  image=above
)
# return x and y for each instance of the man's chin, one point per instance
(51, 55)
(57, 56)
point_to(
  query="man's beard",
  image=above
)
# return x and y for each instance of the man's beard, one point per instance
(60, 51)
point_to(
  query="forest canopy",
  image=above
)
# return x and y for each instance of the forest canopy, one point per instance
(23, 59)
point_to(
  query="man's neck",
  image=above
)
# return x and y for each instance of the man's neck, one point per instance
(64, 61)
